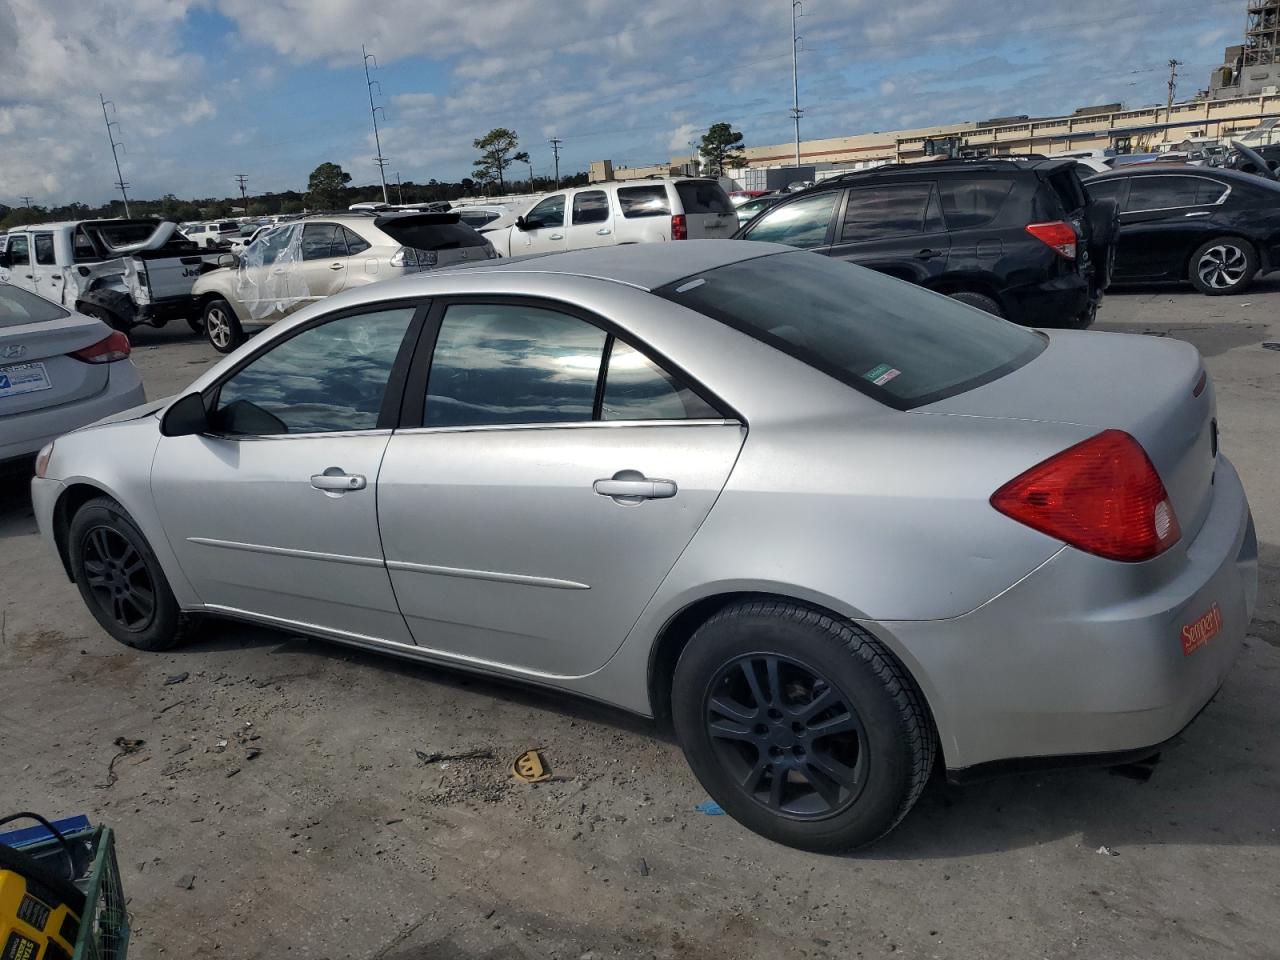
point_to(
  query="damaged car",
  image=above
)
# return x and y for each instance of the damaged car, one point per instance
(123, 272)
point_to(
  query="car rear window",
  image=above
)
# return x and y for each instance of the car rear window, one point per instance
(648, 201)
(1067, 189)
(973, 203)
(894, 341)
(703, 196)
(17, 307)
(435, 233)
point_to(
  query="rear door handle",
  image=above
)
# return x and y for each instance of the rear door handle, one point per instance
(334, 480)
(635, 490)
(556, 236)
(603, 232)
(1197, 213)
(927, 254)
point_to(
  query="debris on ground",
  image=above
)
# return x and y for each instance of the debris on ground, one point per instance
(126, 747)
(253, 752)
(186, 881)
(464, 755)
(710, 808)
(1107, 851)
(220, 746)
(529, 767)
(643, 867)
(176, 678)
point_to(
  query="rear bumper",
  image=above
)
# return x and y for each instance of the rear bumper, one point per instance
(23, 434)
(1085, 656)
(1055, 303)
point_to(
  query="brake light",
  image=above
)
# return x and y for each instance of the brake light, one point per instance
(679, 227)
(1102, 496)
(113, 348)
(1057, 234)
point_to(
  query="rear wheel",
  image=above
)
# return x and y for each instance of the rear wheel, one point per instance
(979, 300)
(120, 579)
(804, 729)
(1223, 265)
(221, 326)
(196, 324)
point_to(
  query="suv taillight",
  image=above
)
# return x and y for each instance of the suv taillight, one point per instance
(1058, 234)
(1102, 496)
(679, 227)
(412, 257)
(113, 348)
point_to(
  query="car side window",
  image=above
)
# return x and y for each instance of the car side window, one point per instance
(19, 250)
(647, 201)
(511, 364)
(318, 242)
(331, 377)
(1104, 189)
(44, 249)
(273, 244)
(82, 247)
(590, 206)
(1161, 193)
(636, 388)
(355, 242)
(1209, 191)
(890, 210)
(548, 213)
(800, 223)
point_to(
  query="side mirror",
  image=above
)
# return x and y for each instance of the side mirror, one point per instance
(523, 224)
(185, 418)
(228, 260)
(4, 258)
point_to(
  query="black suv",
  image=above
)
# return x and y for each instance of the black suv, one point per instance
(1017, 238)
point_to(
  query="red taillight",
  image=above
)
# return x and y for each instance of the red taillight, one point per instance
(1057, 234)
(1102, 496)
(114, 347)
(679, 227)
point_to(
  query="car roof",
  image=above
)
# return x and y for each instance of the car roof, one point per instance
(1178, 169)
(643, 265)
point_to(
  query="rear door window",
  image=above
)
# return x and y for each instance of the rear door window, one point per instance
(646, 201)
(320, 241)
(590, 206)
(896, 342)
(636, 388)
(800, 223)
(355, 242)
(1162, 193)
(44, 249)
(972, 203)
(703, 196)
(890, 210)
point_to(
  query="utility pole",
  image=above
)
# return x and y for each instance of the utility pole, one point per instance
(399, 190)
(120, 181)
(242, 179)
(555, 149)
(797, 10)
(694, 159)
(27, 201)
(1173, 80)
(529, 161)
(380, 160)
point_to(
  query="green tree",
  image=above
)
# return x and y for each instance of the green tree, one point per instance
(325, 186)
(496, 148)
(261, 208)
(721, 147)
(291, 206)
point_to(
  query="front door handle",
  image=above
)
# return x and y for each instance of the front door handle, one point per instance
(335, 266)
(334, 481)
(630, 486)
(603, 232)
(927, 254)
(556, 236)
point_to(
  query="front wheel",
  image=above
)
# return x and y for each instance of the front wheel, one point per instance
(1223, 266)
(803, 728)
(120, 579)
(221, 326)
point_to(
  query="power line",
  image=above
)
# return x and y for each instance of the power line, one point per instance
(120, 181)
(380, 160)
(555, 149)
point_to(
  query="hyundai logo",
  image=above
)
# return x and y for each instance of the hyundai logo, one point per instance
(13, 351)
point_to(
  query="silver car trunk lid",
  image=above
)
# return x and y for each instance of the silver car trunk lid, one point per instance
(46, 344)
(1151, 388)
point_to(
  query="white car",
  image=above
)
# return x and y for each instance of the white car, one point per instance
(618, 212)
(214, 234)
(295, 264)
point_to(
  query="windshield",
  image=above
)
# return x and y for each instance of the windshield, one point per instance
(899, 343)
(18, 307)
(431, 234)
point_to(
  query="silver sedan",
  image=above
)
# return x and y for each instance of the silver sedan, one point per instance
(831, 525)
(58, 371)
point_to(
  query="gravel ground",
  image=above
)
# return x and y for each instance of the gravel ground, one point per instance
(283, 775)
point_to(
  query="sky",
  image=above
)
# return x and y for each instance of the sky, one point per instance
(207, 89)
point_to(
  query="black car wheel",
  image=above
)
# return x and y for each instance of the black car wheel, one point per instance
(120, 579)
(221, 326)
(979, 300)
(1223, 265)
(801, 727)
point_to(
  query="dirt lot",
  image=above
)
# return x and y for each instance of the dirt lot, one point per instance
(336, 840)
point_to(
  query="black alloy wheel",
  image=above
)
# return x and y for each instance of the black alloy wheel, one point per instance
(788, 736)
(118, 579)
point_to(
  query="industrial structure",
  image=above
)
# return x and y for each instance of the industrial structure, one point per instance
(1252, 67)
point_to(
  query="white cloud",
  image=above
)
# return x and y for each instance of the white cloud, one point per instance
(678, 142)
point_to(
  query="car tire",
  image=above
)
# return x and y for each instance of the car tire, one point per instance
(1223, 265)
(755, 749)
(221, 327)
(196, 324)
(979, 300)
(120, 578)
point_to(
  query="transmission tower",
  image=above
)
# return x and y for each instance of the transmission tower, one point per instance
(115, 145)
(369, 83)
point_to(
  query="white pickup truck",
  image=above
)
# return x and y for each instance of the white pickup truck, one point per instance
(124, 272)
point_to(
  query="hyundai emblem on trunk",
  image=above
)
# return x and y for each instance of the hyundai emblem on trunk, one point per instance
(13, 351)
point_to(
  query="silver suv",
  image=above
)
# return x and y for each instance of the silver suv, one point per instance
(297, 263)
